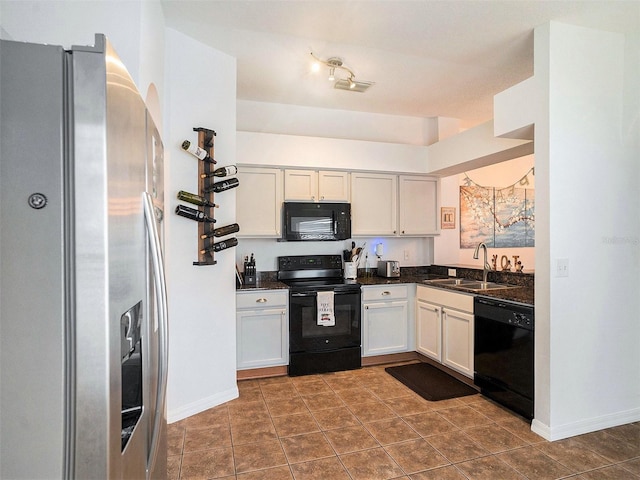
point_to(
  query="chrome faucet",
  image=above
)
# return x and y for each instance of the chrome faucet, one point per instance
(486, 267)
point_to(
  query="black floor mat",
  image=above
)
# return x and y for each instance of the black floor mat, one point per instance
(430, 382)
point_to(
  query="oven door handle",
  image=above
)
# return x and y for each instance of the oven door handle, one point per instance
(315, 293)
(303, 294)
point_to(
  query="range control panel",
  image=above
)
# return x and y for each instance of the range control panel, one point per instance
(309, 262)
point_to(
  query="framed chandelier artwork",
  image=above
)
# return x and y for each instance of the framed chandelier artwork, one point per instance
(499, 217)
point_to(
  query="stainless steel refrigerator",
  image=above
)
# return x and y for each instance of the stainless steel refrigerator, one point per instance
(83, 315)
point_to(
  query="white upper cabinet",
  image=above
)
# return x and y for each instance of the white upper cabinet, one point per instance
(316, 186)
(259, 202)
(418, 205)
(373, 204)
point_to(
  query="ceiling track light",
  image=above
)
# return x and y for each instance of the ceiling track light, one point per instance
(349, 83)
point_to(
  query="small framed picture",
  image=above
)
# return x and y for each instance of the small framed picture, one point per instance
(447, 217)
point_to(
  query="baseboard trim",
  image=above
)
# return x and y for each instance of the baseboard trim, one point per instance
(281, 370)
(265, 372)
(585, 426)
(390, 358)
(202, 405)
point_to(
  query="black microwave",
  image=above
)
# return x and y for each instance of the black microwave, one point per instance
(306, 221)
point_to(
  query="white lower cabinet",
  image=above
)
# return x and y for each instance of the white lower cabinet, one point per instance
(262, 328)
(428, 329)
(385, 319)
(444, 327)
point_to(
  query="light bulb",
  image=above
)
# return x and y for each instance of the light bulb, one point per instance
(332, 74)
(315, 67)
(351, 83)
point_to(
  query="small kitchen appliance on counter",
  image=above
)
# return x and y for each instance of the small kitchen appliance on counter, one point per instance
(388, 268)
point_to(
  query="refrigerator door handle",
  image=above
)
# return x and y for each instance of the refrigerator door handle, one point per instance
(161, 295)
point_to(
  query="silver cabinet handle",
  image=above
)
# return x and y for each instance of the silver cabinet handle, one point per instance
(261, 300)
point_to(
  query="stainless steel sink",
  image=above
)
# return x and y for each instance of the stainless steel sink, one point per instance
(451, 281)
(467, 285)
(482, 286)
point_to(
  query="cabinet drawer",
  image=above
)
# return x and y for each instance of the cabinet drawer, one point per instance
(262, 299)
(446, 298)
(384, 292)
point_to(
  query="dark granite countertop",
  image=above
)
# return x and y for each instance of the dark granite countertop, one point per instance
(521, 294)
(262, 284)
(522, 290)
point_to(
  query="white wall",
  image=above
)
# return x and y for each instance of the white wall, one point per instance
(322, 152)
(420, 250)
(447, 249)
(202, 353)
(590, 158)
(266, 117)
(136, 30)
(587, 212)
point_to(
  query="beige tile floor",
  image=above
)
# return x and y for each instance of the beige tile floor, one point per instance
(365, 425)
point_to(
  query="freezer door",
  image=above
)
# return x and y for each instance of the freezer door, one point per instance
(35, 423)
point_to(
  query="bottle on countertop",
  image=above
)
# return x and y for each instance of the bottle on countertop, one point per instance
(195, 199)
(223, 245)
(221, 172)
(197, 152)
(222, 186)
(222, 231)
(193, 214)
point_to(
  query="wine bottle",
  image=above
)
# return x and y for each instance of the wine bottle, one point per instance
(193, 214)
(195, 199)
(223, 245)
(222, 231)
(222, 186)
(197, 152)
(221, 172)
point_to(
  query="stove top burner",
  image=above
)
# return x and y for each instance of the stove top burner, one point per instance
(314, 272)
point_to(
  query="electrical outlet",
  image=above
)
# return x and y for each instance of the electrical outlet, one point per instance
(562, 267)
(452, 272)
(406, 254)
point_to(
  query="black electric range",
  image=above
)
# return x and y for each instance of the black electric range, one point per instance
(317, 346)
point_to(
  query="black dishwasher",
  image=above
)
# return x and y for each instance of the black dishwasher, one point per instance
(504, 351)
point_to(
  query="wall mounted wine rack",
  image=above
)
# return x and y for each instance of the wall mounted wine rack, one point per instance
(205, 217)
(205, 229)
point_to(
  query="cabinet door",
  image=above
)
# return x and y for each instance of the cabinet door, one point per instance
(458, 341)
(259, 202)
(301, 185)
(333, 186)
(385, 328)
(262, 338)
(373, 204)
(418, 205)
(429, 330)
